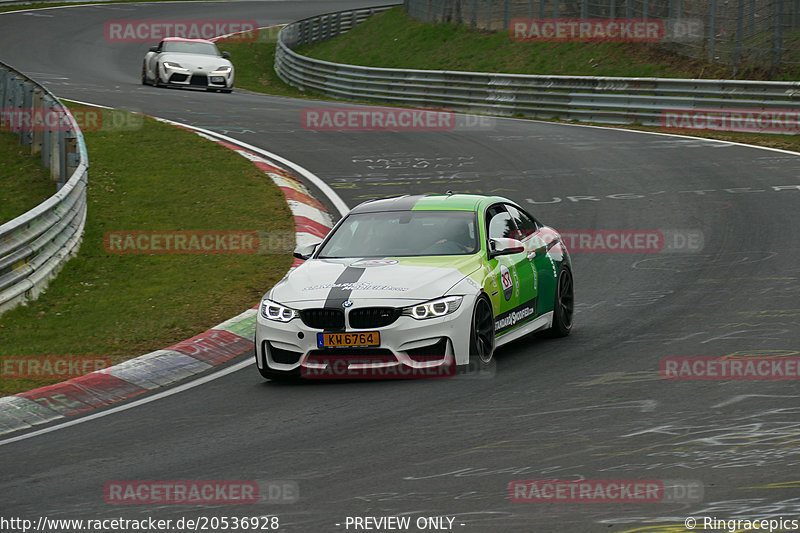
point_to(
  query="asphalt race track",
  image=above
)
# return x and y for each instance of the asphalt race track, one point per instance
(592, 406)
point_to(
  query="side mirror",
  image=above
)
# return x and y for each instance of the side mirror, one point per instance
(305, 251)
(501, 246)
(154, 48)
(226, 55)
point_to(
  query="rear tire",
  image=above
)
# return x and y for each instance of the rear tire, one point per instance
(481, 336)
(564, 305)
(144, 74)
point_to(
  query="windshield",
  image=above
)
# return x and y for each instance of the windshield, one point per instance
(191, 48)
(403, 234)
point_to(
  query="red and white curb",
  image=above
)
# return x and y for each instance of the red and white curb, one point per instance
(163, 368)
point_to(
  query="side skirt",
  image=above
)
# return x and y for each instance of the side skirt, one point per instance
(542, 322)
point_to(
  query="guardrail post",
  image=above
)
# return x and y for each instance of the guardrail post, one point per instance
(13, 102)
(628, 9)
(37, 108)
(507, 14)
(56, 141)
(585, 9)
(72, 157)
(47, 141)
(3, 85)
(26, 114)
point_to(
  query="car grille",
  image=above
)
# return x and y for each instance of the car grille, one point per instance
(323, 318)
(353, 355)
(178, 78)
(199, 79)
(372, 317)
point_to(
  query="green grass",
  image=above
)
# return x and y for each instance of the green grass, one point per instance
(392, 39)
(23, 181)
(254, 63)
(156, 178)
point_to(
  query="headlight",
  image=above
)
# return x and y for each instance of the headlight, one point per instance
(277, 312)
(174, 66)
(434, 308)
(222, 70)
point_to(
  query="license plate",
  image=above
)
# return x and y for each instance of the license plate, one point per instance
(217, 79)
(334, 340)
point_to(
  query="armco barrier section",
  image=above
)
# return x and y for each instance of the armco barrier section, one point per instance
(34, 246)
(584, 98)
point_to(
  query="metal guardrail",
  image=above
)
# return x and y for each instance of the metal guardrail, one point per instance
(583, 98)
(34, 246)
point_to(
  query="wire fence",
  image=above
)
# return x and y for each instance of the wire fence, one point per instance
(739, 33)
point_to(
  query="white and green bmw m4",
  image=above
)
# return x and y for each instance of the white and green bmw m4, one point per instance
(415, 286)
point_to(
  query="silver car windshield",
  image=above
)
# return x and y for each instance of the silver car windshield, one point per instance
(403, 234)
(191, 48)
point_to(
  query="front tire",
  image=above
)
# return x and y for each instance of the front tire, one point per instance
(564, 305)
(481, 337)
(144, 74)
(156, 77)
(273, 375)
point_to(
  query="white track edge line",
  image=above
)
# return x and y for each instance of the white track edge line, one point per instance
(135, 403)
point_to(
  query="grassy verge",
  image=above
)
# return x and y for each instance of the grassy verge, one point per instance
(392, 39)
(108, 304)
(23, 181)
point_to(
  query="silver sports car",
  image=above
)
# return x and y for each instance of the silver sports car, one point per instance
(178, 62)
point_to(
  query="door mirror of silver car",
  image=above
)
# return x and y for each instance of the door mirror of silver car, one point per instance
(154, 48)
(226, 55)
(502, 246)
(305, 251)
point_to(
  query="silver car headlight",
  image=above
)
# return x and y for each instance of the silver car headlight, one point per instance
(277, 312)
(221, 70)
(434, 308)
(174, 66)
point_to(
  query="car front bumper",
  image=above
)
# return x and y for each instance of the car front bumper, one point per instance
(199, 78)
(408, 348)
